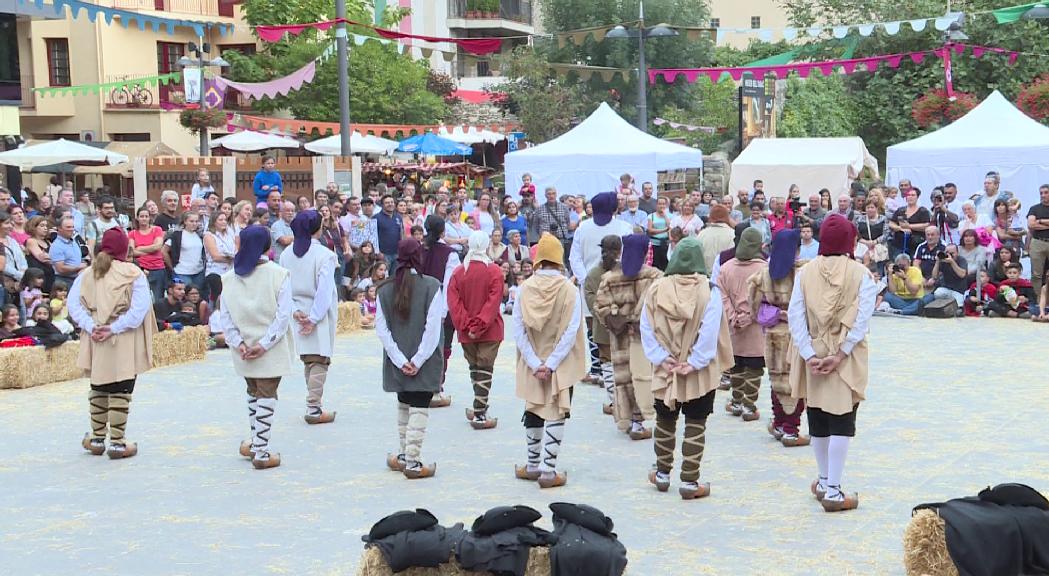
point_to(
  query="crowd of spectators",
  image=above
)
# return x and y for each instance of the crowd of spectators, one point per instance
(970, 250)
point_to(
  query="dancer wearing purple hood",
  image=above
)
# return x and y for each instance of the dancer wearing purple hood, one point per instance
(584, 257)
(256, 308)
(311, 268)
(770, 290)
(618, 308)
(830, 310)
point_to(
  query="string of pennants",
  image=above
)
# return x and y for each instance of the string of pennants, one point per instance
(688, 127)
(164, 79)
(825, 67)
(126, 17)
(478, 46)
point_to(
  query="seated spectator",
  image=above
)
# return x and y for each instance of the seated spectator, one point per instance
(973, 220)
(59, 309)
(496, 249)
(188, 315)
(201, 308)
(810, 247)
(974, 254)
(513, 290)
(170, 305)
(949, 275)
(1002, 258)
(981, 293)
(927, 253)
(906, 289)
(516, 252)
(367, 320)
(418, 233)
(32, 288)
(9, 322)
(40, 327)
(1015, 295)
(376, 274)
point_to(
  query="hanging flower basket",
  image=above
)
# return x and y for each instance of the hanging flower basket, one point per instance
(934, 109)
(195, 119)
(1033, 100)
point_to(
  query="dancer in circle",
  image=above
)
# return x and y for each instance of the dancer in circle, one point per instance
(618, 308)
(611, 248)
(111, 303)
(685, 336)
(439, 261)
(256, 307)
(770, 291)
(475, 295)
(551, 357)
(748, 344)
(408, 318)
(830, 311)
(311, 268)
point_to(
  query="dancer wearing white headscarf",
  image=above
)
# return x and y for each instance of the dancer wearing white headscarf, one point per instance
(475, 294)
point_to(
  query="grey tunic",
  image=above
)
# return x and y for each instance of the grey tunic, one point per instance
(408, 333)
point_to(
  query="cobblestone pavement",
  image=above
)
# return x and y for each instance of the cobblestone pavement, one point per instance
(942, 420)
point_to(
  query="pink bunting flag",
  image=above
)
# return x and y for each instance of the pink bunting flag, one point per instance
(279, 86)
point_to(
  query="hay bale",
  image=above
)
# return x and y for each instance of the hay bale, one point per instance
(35, 365)
(173, 347)
(373, 564)
(349, 317)
(925, 546)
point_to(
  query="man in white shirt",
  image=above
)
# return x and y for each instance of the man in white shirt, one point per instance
(985, 200)
(637, 219)
(810, 248)
(107, 219)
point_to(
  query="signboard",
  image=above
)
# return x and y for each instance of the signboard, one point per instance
(513, 140)
(758, 107)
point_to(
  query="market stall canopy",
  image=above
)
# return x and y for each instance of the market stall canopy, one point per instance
(589, 158)
(993, 136)
(431, 144)
(359, 144)
(811, 163)
(471, 136)
(57, 152)
(252, 141)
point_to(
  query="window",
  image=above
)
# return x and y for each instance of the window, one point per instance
(755, 22)
(58, 61)
(715, 22)
(483, 68)
(130, 137)
(226, 8)
(168, 54)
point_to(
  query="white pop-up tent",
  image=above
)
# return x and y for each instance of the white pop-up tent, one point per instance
(252, 141)
(591, 157)
(359, 144)
(811, 163)
(993, 136)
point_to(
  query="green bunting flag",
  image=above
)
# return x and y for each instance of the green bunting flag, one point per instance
(85, 89)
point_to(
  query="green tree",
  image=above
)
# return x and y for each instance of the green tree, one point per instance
(545, 106)
(817, 108)
(713, 104)
(385, 86)
(884, 99)
(675, 52)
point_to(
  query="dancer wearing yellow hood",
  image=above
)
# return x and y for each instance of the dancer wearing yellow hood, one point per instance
(549, 332)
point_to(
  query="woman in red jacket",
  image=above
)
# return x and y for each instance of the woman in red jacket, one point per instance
(475, 294)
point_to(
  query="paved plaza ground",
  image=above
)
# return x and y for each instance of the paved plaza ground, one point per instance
(952, 407)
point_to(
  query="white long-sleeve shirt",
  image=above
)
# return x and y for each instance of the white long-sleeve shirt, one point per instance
(322, 301)
(706, 346)
(430, 338)
(586, 247)
(276, 330)
(564, 342)
(449, 269)
(141, 300)
(799, 323)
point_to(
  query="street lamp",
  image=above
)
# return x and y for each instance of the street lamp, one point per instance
(1038, 12)
(641, 33)
(186, 62)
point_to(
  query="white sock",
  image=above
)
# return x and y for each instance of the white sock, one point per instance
(837, 451)
(402, 423)
(534, 436)
(819, 447)
(553, 433)
(608, 379)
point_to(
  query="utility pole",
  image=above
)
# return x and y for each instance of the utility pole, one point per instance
(205, 150)
(342, 46)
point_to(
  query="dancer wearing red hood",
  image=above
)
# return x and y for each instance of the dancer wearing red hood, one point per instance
(111, 303)
(830, 310)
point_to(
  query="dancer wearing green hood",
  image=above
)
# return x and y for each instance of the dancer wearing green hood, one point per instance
(686, 337)
(748, 343)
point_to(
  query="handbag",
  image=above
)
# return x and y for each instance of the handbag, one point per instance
(881, 251)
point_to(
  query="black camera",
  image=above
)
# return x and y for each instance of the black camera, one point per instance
(894, 268)
(795, 204)
(941, 255)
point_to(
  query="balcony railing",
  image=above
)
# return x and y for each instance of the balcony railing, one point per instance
(516, 10)
(27, 93)
(137, 97)
(196, 7)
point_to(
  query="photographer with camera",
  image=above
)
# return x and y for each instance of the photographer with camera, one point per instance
(906, 291)
(926, 254)
(949, 278)
(813, 214)
(943, 218)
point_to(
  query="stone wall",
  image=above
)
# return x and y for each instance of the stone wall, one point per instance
(474, 114)
(716, 168)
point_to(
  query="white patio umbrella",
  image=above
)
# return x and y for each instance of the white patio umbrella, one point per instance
(472, 136)
(359, 144)
(251, 141)
(59, 152)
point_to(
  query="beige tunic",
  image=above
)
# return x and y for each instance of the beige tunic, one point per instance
(675, 307)
(251, 302)
(123, 356)
(779, 348)
(547, 303)
(831, 287)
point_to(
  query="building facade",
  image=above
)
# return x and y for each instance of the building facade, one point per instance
(750, 14)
